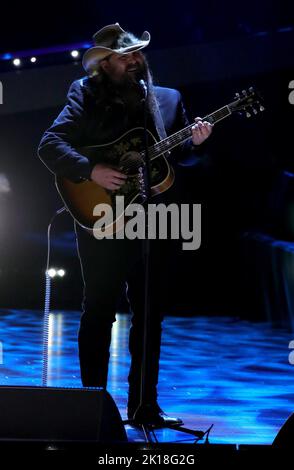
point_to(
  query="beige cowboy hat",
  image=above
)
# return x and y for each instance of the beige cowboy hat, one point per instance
(110, 39)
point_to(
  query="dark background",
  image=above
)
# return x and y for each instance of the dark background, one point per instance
(35, 25)
(240, 182)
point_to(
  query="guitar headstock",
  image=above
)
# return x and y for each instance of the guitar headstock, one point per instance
(248, 102)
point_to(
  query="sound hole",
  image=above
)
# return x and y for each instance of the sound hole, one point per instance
(130, 163)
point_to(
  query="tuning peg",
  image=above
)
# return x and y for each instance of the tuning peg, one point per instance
(261, 108)
(248, 114)
(237, 96)
(251, 89)
(244, 92)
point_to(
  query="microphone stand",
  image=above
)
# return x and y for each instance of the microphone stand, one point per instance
(142, 411)
(139, 418)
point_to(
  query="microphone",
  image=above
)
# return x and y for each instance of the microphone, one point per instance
(143, 85)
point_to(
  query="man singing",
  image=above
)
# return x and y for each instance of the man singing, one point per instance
(100, 108)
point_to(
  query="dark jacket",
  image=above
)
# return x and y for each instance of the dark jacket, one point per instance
(81, 123)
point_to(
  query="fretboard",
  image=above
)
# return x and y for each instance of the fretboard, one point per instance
(173, 140)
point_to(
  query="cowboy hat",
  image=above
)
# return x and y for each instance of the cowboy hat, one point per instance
(110, 39)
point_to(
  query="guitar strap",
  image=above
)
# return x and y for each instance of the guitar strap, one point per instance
(157, 118)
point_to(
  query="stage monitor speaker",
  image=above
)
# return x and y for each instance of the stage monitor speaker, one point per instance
(285, 436)
(59, 415)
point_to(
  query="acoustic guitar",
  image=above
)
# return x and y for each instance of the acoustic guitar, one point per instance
(128, 155)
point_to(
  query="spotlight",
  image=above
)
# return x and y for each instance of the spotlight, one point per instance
(75, 54)
(16, 62)
(33, 60)
(52, 272)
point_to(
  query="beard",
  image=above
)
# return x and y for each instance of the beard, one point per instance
(109, 88)
(129, 80)
(126, 86)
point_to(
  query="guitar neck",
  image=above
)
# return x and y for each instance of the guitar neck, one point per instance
(179, 137)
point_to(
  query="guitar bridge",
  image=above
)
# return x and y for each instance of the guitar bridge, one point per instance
(141, 183)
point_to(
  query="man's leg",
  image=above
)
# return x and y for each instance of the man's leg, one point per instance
(136, 295)
(104, 264)
(158, 301)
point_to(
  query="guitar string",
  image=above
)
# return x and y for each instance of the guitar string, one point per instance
(160, 147)
(177, 137)
(169, 142)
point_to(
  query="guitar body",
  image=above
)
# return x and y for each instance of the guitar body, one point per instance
(124, 154)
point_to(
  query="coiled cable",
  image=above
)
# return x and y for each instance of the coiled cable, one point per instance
(47, 303)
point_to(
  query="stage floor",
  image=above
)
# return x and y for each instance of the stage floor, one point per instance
(214, 370)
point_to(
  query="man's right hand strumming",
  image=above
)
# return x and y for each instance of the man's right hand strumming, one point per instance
(107, 177)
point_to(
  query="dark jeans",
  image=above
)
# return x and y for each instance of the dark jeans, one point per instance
(106, 267)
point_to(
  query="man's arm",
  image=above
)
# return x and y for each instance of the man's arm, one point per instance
(194, 149)
(58, 145)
